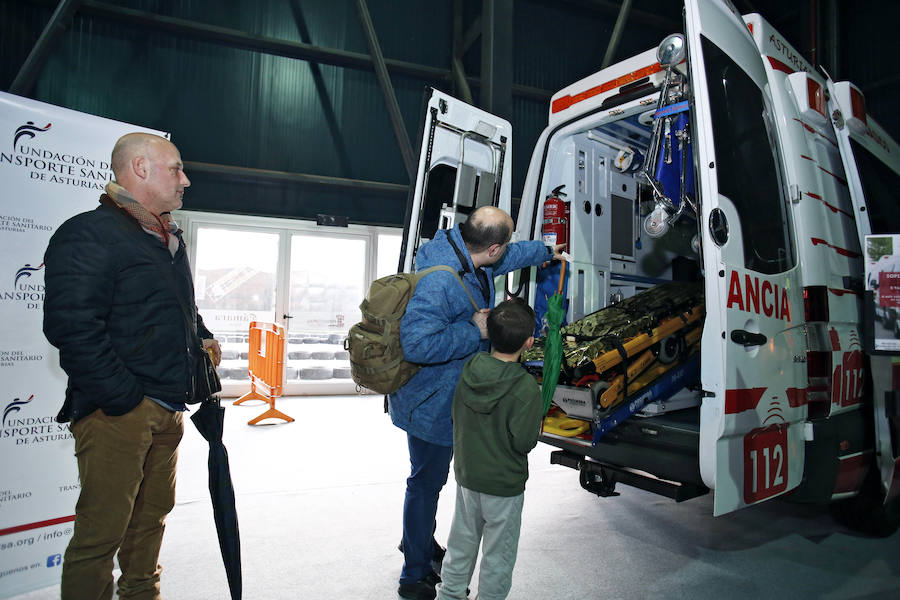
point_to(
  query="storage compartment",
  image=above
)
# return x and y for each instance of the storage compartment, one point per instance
(665, 447)
(629, 395)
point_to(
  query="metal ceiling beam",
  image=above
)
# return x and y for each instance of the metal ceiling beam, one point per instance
(456, 54)
(247, 41)
(239, 39)
(616, 36)
(334, 183)
(831, 25)
(387, 90)
(322, 90)
(471, 35)
(638, 17)
(497, 57)
(55, 27)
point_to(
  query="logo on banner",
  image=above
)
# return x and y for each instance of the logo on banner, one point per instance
(14, 407)
(28, 130)
(26, 271)
(28, 290)
(54, 560)
(35, 153)
(29, 430)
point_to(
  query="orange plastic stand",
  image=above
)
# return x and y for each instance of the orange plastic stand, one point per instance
(266, 369)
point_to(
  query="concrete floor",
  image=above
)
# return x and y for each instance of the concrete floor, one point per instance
(320, 503)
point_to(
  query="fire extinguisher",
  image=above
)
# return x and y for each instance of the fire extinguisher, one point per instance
(555, 229)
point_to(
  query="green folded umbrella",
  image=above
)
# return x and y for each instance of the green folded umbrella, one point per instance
(553, 350)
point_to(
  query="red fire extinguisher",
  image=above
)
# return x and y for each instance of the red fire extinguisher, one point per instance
(555, 229)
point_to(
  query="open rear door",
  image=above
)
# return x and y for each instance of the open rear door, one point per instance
(751, 433)
(871, 161)
(465, 162)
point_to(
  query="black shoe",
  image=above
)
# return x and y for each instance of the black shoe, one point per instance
(422, 589)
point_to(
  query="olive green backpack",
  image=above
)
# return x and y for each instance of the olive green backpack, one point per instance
(376, 357)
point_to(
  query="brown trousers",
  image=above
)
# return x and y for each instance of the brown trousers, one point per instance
(126, 465)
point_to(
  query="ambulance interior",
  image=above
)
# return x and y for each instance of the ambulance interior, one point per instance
(625, 240)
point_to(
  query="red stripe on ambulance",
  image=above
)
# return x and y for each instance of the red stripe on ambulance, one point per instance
(779, 66)
(564, 102)
(756, 295)
(740, 400)
(839, 250)
(835, 175)
(840, 292)
(797, 397)
(830, 207)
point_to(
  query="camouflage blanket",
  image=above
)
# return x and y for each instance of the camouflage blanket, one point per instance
(599, 332)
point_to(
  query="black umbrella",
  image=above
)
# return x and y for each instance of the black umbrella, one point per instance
(210, 421)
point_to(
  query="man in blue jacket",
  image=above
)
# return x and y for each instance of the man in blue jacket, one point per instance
(440, 332)
(112, 275)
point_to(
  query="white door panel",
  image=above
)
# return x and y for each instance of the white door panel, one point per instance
(465, 162)
(752, 423)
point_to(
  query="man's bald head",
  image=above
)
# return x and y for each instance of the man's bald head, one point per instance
(129, 147)
(485, 227)
(150, 168)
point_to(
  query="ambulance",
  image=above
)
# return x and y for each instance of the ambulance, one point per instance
(721, 157)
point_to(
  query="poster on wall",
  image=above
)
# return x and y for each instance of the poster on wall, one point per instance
(54, 163)
(883, 280)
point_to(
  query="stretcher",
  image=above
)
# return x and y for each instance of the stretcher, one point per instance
(622, 358)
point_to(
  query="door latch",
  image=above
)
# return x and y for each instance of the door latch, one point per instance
(746, 338)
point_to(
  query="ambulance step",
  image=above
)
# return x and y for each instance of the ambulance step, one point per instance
(601, 479)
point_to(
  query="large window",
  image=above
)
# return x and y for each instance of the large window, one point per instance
(234, 277)
(308, 279)
(748, 173)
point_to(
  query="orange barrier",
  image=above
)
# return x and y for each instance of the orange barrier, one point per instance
(266, 368)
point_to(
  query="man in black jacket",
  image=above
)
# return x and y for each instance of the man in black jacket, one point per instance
(129, 352)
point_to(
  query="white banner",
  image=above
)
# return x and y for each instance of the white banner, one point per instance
(54, 163)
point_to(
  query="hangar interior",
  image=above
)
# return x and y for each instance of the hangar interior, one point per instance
(289, 110)
(294, 116)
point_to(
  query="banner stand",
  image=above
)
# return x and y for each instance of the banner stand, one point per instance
(54, 163)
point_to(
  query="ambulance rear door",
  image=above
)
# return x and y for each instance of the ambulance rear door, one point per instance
(871, 161)
(465, 161)
(753, 348)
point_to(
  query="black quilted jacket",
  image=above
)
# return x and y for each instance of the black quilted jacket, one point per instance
(120, 331)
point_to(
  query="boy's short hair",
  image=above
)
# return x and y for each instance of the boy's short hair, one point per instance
(509, 325)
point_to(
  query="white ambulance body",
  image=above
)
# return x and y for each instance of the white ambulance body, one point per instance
(785, 177)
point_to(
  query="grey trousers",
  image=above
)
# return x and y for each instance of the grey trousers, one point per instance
(492, 521)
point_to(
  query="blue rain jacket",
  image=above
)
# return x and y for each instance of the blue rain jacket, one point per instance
(437, 331)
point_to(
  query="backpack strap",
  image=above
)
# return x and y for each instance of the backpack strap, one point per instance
(462, 258)
(479, 273)
(425, 272)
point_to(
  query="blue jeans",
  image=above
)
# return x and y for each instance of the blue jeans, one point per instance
(429, 468)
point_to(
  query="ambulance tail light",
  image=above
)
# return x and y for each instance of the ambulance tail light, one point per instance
(809, 96)
(818, 372)
(853, 106)
(815, 303)
(818, 362)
